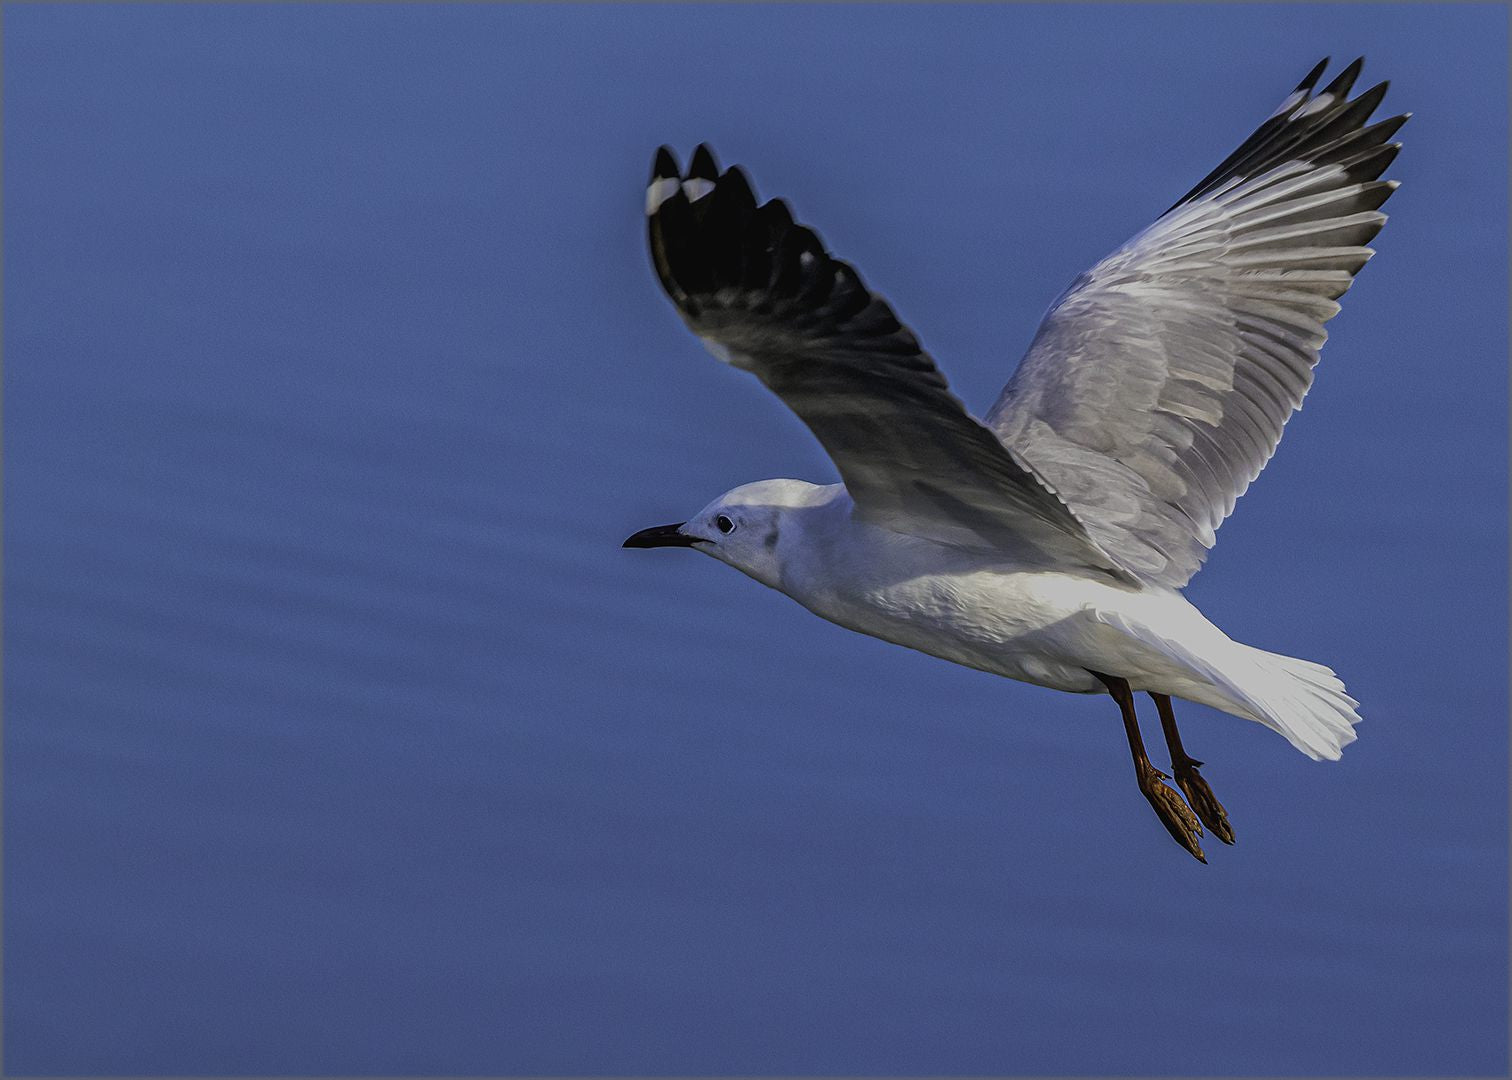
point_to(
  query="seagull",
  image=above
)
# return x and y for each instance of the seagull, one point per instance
(1048, 541)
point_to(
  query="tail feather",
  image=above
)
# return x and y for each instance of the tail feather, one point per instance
(1301, 700)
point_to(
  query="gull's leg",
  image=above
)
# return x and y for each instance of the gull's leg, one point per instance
(1177, 817)
(1209, 809)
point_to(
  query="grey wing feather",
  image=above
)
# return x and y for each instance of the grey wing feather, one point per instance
(1157, 386)
(764, 295)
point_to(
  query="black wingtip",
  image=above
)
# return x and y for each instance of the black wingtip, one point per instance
(665, 166)
(1345, 79)
(1311, 78)
(775, 216)
(1371, 99)
(737, 186)
(1323, 127)
(703, 166)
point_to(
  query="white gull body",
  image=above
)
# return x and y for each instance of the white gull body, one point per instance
(1048, 541)
(1011, 616)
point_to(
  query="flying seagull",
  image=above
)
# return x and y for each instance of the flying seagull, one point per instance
(1048, 541)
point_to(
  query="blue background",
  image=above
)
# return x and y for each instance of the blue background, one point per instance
(342, 737)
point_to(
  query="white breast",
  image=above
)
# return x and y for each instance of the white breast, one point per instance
(957, 605)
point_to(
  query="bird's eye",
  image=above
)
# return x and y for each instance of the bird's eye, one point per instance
(724, 524)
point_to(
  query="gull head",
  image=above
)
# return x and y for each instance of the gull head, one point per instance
(742, 527)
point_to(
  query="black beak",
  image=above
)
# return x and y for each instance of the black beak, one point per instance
(661, 536)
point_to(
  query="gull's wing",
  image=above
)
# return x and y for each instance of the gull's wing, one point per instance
(764, 295)
(1157, 386)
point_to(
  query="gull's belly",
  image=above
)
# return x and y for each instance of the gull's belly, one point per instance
(1048, 627)
(1037, 627)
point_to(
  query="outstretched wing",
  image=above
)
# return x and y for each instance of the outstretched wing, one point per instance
(764, 295)
(1157, 386)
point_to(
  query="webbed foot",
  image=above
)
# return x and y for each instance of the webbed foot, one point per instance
(1200, 796)
(1174, 813)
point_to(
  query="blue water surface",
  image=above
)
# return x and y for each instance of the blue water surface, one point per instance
(341, 737)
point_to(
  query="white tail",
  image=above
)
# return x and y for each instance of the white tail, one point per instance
(1303, 701)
